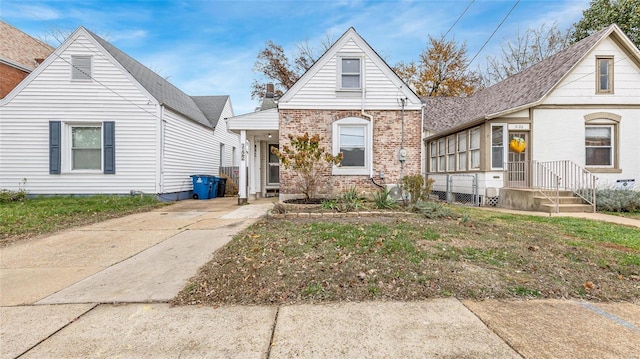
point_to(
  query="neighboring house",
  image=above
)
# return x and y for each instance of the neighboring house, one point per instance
(354, 100)
(19, 55)
(91, 119)
(578, 112)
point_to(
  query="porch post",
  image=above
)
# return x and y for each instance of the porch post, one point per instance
(244, 152)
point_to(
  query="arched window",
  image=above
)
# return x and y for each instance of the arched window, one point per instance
(352, 137)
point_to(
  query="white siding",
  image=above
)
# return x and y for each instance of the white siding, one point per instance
(189, 148)
(260, 120)
(51, 96)
(558, 134)
(230, 140)
(320, 91)
(579, 87)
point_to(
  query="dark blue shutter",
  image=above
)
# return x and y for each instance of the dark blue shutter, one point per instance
(54, 147)
(109, 147)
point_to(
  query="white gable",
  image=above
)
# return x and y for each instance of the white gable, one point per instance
(579, 86)
(319, 88)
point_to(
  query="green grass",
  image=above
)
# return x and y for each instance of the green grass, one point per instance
(41, 215)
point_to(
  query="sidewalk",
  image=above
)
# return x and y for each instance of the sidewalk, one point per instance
(100, 291)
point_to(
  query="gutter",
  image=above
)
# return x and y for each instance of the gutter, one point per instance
(367, 115)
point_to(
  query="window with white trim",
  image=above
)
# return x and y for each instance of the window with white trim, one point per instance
(233, 156)
(462, 151)
(221, 154)
(498, 141)
(351, 136)
(350, 70)
(84, 147)
(474, 147)
(81, 68)
(604, 74)
(451, 153)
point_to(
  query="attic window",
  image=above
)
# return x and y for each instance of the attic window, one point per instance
(604, 74)
(350, 73)
(81, 68)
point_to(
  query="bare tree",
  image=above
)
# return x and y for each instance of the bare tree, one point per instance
(274, 66)
(526, 49)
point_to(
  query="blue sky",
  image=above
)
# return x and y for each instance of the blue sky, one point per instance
(209, 47)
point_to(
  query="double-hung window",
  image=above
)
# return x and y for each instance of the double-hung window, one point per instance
(462, 151)
(350, 73)
(599, 146)
(352, 138)
(497, 146)
(442, 151)
(474, 147)
(451, 153)
(86, 147)
(433, 154)
(604, 74)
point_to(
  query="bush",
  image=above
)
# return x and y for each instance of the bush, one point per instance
(347, 202)
(231, 188)
(7, 196)
(382, 200)
(416, 187)
(617, 200)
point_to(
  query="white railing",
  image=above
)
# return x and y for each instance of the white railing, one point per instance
(552, 176)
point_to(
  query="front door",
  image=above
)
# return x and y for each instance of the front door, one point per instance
(519, 166)
(273, 166)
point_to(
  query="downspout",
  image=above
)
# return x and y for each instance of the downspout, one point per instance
(367, 115)
(160, 173)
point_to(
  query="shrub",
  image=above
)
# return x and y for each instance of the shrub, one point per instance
(382, 201)
(7, 196)
(231, 188)
(416, 187)
(347, 202)
(613, 200)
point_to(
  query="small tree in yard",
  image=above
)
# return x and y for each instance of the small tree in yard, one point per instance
(305, 156)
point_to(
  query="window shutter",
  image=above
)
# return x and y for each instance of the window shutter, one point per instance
(54, 147)
(109, 134)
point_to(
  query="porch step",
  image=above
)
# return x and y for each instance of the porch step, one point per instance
(540, 200)
(567, 208)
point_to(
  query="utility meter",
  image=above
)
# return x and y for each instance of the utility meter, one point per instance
(402, 155)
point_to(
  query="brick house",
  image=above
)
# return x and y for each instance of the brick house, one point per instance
(19, 55)
(358, 105)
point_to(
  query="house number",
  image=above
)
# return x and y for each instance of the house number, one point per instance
(518, 126)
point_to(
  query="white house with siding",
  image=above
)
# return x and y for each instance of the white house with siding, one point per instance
(577, 111)
(92, 120)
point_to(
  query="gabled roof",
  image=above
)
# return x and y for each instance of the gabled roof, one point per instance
(351, 34)
(520, 91)
(21, 50)
(161, 89)
(211, 107)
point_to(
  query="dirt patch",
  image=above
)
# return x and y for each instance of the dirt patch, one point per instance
(408, 257)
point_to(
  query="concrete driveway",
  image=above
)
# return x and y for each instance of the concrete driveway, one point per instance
(100, 291)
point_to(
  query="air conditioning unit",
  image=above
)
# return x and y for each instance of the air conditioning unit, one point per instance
(396, 193)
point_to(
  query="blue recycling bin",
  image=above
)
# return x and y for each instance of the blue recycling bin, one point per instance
(213, 186)
(201, 186)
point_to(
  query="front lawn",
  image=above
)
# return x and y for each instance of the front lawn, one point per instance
(34, 216)
(476, 255)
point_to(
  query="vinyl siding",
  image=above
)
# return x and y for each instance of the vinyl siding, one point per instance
(229, 139)
(320, 91)
(189, 148)
(52, 96)
(579, 86)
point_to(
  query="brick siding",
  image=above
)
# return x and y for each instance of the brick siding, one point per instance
(387, 138)
(10, 78)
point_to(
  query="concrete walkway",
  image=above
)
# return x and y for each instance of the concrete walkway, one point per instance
(100, 291)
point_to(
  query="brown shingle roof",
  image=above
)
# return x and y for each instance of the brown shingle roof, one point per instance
(20, 48)
(517, 91)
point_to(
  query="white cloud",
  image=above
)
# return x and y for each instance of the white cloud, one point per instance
(34, 12)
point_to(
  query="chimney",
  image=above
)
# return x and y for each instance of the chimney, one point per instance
(39, 60)
(270, 91)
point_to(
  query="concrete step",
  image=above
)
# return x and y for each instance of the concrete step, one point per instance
(562, 200)
(567, 208)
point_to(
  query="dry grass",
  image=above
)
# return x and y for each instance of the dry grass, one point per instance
(479, 255)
